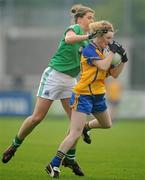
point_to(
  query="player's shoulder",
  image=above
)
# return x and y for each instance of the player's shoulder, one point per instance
(75, 27)
(89, 50)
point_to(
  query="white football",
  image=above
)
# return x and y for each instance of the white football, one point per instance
(116, 59)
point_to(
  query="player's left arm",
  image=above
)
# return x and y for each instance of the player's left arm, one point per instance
(116, 71)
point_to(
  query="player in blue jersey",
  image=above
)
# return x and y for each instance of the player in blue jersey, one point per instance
(88, 95)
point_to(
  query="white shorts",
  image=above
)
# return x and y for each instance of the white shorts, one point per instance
(55, 85)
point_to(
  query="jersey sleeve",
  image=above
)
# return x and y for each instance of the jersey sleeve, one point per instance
(90, 54)
(76, 28)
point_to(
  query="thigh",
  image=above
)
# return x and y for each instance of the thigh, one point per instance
(42, 106)
(66, 106)
(104, 118)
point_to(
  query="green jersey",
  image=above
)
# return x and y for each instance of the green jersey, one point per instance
(67, 56)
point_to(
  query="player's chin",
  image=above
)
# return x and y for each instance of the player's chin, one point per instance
(105, 46)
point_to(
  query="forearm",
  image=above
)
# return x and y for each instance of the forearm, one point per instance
(75, 38)
(105, 63)
(115, 72)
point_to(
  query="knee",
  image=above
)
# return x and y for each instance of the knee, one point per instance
(36, 119)
(108, 125)
(75, 136)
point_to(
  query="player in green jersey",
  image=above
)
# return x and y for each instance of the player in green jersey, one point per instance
(57, 81)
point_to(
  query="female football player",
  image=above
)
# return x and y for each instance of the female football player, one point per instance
(58, 80)
(88, 95)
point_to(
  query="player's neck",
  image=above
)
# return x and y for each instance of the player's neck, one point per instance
(97, 46)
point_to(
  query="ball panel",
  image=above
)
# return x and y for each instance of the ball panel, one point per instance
(116, 59)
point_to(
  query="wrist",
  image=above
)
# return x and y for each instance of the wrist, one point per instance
(123, 62)
(112, 52)
(124, 59)
(89, 36)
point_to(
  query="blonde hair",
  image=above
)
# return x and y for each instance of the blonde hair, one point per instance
(101, 27)
(78, 10)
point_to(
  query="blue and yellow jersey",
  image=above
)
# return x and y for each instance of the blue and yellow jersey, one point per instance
(92, 78)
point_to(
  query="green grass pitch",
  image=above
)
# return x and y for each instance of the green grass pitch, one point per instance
(115, 154)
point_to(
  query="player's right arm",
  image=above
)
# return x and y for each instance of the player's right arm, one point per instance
(105, 63)
(71, 37)
(93, 58)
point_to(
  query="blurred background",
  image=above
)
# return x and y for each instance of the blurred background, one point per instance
(29, 34)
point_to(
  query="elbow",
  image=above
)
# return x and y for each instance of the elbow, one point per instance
(68, 41)
(115, 76)
(102, 67)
